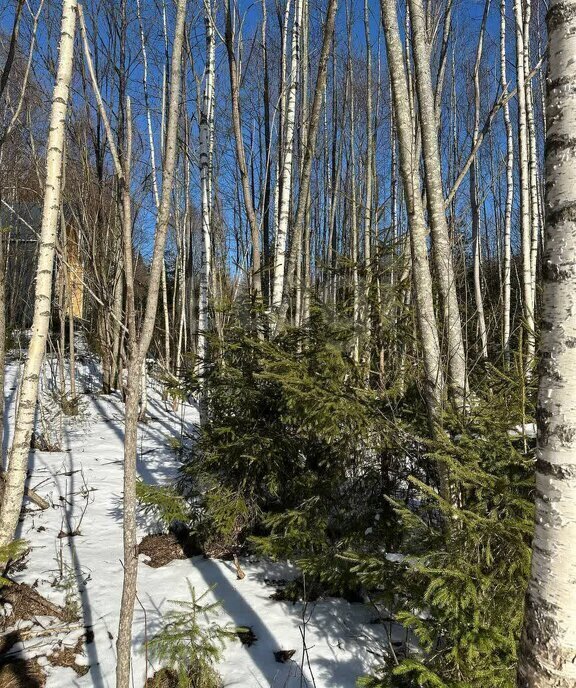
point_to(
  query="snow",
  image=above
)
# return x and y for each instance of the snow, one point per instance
(83, 483)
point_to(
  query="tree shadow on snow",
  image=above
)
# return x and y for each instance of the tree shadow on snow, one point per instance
(241, 614)
(337, 634)
(82, 580)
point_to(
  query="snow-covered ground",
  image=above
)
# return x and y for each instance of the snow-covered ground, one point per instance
(84, 486)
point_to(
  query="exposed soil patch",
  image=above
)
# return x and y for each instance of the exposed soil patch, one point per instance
(165, 678)
(7, 642)
(27, 603)
(246, 635)
(161, 549)
(20, 673)
(165, 547)
(66, 657)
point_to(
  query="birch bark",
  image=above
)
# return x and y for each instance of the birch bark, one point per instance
(506, 276)
(548, 646)
(285, 179)
(368, 192)
(15, 476)
(526, 229)
(412, 193)
(535, 220)
(206, 133)
(311, 135)
(441, 247)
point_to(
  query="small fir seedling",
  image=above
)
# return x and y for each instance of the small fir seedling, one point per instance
(191, 641)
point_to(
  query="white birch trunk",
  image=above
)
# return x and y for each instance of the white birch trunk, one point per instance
(368, 191)
(532, 157)
(311, 134)
(15, 476)
(506, 276)
(548, 646)
(281, 116)
(285, 178)
(306, 286)
(206, 135)
(526, 229)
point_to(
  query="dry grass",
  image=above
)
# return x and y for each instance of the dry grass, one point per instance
(162, 549)
(27, 604)
(66, 657)
(164, 678)
(20, 673)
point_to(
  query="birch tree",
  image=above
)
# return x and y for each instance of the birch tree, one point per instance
(441, 248)
(15, 477)
(285, 178)
(507, 267)
(206, 136)
(412, 193)
(532, 153)
(138, 350)
(368, 213)
(548, 644)
(311, 135)
(525, 207)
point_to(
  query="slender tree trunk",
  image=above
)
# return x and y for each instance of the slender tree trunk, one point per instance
(368, 181)
(412, 194)
(61, 347)
(548, 644)
(441, 77)
(268, 146)
(535, 220)
(525, 215)
(400, 346)
(285, 177)
(116, 328)
(18, 461)
(474, 201)
(334, 178)
(206, 133)
(506, 276)
(351, 176)
(166, 314)
(305, 113)
(137, 355)
(308, 158)
(281, 118)
(2, 349)
(441, 245)
(69, 312)
(241, 157)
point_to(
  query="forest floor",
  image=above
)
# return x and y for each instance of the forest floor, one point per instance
(75, 562)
